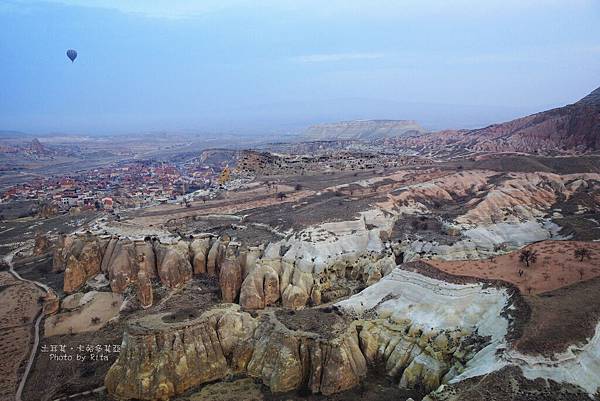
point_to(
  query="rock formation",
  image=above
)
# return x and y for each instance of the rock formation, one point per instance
(199, 248)
(159, 359)
(258, 276)
(51, 303)
(216, 255)
(42, 244)
(163, 357)
(123, 261)
(421, 358)
(230, 276)
(58, 253)
(144, 289)
(260, 288)
(287, 359)
(173, 264)
(83, 260)
(574, 128)
(320, 350)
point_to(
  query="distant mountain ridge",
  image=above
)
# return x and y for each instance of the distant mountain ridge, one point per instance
(573, 128)
(363, 130)
(592, 99)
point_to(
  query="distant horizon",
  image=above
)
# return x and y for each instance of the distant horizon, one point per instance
(277, 67)
(274, 130)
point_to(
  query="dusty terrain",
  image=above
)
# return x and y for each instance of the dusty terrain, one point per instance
(560, 318)
(19, 307)
(564, 130)
(335, 270)
(556, 266)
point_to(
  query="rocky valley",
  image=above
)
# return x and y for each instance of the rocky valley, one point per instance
(370, 261)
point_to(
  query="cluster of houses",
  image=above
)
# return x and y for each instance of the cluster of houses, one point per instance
(122, 185)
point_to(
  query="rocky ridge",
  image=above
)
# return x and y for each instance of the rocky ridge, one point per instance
(574, 128)
(321, 350)
(344, 256)
(322, 263)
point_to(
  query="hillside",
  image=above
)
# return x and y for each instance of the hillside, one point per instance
(574, 128)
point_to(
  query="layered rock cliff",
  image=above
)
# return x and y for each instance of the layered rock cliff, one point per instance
(574, 128)
(162, 356)
(313, 266)
(321, 350)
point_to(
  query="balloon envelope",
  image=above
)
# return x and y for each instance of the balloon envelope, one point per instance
(71, 54)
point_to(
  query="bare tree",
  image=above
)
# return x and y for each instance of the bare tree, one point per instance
(528, 256)
(582, 253)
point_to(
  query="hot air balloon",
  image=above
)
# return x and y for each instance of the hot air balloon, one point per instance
(71, 54)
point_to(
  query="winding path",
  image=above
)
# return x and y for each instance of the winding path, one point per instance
(8, 259)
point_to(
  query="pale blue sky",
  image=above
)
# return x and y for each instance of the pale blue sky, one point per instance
(276, 65)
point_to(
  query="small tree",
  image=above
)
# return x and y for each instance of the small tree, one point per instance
(528, 256)
(582, 253)
(281, 195)
(95, 320)
(298, 187)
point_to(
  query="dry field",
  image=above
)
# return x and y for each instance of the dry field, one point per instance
(18, 309)
(90, 316)
(556, 266)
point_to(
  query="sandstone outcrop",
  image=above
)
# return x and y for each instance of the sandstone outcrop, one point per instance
(124, 262)
(294, 272)
(146, 258)
(173, 264)
(41, 245)
(319, 350)
(420, 357)
(51, 303)
(199, 248)
(82, 261)
(145, 295)
(230, 276)
(294, 297)
(58, 254)
(260, 288)
(163, 356)
(216, 255)
(287, 359)
(122, 266)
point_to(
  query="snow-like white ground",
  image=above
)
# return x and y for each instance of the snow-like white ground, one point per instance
(436, 304)
(482, 241)
(580, 364)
